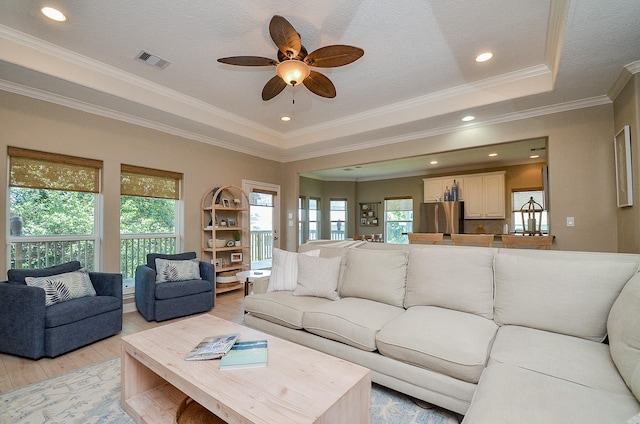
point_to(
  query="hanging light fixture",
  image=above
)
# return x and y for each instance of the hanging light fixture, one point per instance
(293, 71)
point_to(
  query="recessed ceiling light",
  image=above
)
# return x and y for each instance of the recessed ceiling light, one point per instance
(285, 118)
(54, 14)
(484, 57)
(534, 156)
(434, 162)
(492, 155)
(468, 118)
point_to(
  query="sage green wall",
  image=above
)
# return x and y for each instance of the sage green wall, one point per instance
(627, 112)
(327, 190)
(580, 159)
(38, 125)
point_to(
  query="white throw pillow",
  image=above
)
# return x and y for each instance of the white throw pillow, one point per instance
(284, 269)
(62, 287)
(318, 276)
(180, 270)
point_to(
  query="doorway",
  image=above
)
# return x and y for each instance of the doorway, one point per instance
(264, 210)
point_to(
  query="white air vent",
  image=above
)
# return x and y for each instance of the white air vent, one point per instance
(153, 60)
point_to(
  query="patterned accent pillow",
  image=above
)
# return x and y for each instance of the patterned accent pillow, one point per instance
(62, 287)
(183, 270)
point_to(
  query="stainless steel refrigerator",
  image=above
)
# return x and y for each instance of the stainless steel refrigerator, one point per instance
(442, 217)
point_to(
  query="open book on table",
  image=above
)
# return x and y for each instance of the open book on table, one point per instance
(212, 347)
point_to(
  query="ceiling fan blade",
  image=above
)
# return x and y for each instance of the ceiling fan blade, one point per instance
(320, 85)
(333, 56)
(285, 36)
(272, 88)
(248, 61)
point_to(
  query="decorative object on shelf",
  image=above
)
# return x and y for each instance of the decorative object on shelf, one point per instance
(231, 243)
(237, 236)
(218, 263)
(226, 203)
(210, 242)
(220, 243)
(236, 257)
(369, 214)
(624, 171)
(232, 222)
(531, 217)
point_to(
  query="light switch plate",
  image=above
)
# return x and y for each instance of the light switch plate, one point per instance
(570, 221)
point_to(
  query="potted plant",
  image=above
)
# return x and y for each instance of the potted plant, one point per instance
(237, 236)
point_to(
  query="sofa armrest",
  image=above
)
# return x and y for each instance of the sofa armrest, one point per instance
(22, 320)
(107, 284)
(146, 291)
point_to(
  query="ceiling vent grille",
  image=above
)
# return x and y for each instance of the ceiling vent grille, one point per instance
(153, 60)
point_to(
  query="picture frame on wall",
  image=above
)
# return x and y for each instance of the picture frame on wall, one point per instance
(624, 171)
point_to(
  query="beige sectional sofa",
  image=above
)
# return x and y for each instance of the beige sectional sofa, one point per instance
(498, 335)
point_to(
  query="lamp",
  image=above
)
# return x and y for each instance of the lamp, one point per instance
(531, 217)
(293, 71)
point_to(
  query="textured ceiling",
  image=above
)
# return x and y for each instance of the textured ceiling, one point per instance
(417, 75)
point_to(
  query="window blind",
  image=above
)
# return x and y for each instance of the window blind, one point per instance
(148, 182)
(42, 170)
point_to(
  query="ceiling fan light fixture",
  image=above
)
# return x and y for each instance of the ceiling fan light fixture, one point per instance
(293, 71)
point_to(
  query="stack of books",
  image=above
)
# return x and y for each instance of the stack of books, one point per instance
(234, 354)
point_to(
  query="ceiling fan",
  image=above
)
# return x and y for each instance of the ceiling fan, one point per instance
(293, 64)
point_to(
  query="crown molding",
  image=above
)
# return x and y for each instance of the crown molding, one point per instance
(500, 119)
(134, 120)
(624, 77)
(556, 28)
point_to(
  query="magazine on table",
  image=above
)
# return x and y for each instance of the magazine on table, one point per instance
(212, 347)
(245, 354)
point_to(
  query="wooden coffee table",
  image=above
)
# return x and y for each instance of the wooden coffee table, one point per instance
(299, 385)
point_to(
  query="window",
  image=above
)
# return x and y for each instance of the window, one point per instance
(519, 199)
(314, 219)
(398, 220)
(302, 220)
(149, 217)
(338, 218)
(262, 228)
(54, 209)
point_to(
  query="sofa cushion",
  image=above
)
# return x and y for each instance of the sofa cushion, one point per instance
(449, 342)
(168, 270)
(558, 291)
(376, 275)
(570, 358)
(451, 277)
(624, 334)
(281, 307)
(64, 287)
(182, 288)
(318, 277)
(350, 320)
(284, 269)
(508, 394)
(79, 309)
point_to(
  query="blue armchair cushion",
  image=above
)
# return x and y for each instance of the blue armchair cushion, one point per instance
(182, 288)
(180, 270)
(63, 287)
(69, 312)
(19, 275)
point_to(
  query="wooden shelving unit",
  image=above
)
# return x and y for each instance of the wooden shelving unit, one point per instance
(225, 217)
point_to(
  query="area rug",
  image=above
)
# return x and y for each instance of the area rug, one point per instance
(92, 395)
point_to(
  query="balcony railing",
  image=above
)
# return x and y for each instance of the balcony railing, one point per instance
(42, 252)
(261, 246)
(134, 249)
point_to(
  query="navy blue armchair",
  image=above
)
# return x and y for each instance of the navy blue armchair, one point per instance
(165, 301)
(29, 329)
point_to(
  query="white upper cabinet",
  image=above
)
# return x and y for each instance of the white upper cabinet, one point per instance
(483, 194)
(434, 188)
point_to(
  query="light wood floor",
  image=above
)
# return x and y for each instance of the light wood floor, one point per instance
(16, 372)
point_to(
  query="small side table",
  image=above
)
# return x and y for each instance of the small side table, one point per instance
(249, 276)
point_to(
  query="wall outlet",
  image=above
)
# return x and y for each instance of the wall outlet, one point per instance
(570, 221)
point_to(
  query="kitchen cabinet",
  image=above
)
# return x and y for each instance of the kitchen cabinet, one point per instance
(434, 188)
(484, 196)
